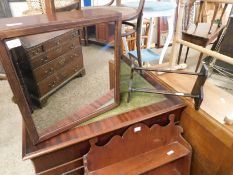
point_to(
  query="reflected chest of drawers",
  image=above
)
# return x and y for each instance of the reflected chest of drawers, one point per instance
(46, 62)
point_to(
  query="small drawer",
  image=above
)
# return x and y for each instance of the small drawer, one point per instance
(48, 56)
(53, 66)
(35, 51)
(75, 66)
(48, 84)
(61, 39)
(59, 77)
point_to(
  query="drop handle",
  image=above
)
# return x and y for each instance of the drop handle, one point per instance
(62, 62)
(53, 84)
(59, 49)
(72, 46)
(45, 59)
(48, 71)
(76, 69)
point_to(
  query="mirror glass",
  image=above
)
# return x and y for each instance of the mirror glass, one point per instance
(62, 80)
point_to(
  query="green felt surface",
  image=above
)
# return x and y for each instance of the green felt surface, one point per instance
(138, 99)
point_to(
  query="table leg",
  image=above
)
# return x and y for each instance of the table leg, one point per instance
(170, 20)
(150, 34)
(125, 44)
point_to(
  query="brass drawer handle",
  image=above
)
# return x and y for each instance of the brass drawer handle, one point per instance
(76, 69)
(36, 51)
(73, 46)
(52, 84)
(44, 60)
(58, 42)
(59, 49)
(62, 62)
(49, 71)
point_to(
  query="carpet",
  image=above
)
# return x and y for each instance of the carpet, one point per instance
(138, 99)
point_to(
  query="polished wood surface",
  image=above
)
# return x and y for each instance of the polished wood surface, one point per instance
(36, 24)
(74, 143)
(46, 62)
(24, 26)
(204, 129)
(140, 145)
(216, 104)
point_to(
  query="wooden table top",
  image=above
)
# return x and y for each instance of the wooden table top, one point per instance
(28, 25)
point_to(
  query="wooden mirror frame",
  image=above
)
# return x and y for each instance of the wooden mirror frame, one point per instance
(29, 25)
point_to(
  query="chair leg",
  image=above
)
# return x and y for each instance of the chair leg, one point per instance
(186, 55)
(199, 62)
(138, 40)
(3, 77)
(180, 51)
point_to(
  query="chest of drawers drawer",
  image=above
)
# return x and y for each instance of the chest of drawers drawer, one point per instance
(47, 62)
(59, 77)
(46, 44)
(48, 69)
(45, 57)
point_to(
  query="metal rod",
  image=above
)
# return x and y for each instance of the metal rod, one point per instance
(166, 71)
(146, 90)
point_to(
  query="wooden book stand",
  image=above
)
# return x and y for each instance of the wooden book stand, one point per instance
(197, 91)
(141, 150)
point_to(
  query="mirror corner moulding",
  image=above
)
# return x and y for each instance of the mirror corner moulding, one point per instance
(60, 21)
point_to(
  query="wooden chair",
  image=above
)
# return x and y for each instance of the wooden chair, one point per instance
(128, 15)
(141, 150)
(39, 6)
(201, 33)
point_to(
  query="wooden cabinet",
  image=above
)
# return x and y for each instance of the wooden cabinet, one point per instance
(105, 32)
(48, 61)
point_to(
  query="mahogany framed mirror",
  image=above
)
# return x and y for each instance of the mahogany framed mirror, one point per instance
(58, 84)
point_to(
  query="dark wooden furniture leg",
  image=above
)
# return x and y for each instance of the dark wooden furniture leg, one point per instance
(180, 51)
(199, 62)
(186, 55)
(138, 39)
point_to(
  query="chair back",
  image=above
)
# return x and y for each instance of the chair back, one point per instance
(202, 12)
(39, 6)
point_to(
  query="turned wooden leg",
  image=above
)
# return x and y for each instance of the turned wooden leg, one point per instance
(199, 62)
(170, 20)
(180, 51)
(3, 77)
(186, 55)
(138, 40)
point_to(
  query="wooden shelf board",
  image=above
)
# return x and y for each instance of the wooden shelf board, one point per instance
(148, 161)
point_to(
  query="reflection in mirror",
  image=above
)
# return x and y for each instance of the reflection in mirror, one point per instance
(62, 81)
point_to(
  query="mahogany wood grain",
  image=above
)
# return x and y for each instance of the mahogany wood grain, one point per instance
(74, 143)
(139, 150)
(63, 20)
(37, 24)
